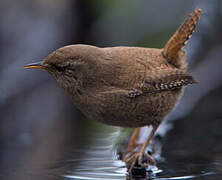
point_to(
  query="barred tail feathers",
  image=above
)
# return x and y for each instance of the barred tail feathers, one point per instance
(181, 36)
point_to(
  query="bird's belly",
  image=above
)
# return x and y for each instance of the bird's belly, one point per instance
(136, 112)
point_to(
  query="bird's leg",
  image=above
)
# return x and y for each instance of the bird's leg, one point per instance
(133, 142)
(138, 156)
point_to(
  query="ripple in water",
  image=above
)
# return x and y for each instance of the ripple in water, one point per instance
(100, 161)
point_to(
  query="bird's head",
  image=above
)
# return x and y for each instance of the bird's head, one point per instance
(74, 67)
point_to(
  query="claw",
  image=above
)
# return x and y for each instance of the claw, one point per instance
(138, 158)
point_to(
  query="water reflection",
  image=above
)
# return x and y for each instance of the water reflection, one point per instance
(100, 161)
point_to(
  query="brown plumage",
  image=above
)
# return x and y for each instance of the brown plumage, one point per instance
(180, 37)
(124, 86)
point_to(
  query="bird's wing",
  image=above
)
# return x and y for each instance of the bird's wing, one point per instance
(161, 83)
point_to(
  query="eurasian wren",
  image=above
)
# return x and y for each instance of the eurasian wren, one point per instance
(124, 86)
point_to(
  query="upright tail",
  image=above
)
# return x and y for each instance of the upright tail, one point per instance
(181, 36)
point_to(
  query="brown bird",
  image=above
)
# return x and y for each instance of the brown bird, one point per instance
(124, 86)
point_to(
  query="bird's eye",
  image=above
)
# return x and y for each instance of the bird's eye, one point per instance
(59, 68)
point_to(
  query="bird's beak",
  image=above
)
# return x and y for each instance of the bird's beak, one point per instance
(38, 65)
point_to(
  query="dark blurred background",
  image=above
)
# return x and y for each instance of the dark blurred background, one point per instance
(40, 129)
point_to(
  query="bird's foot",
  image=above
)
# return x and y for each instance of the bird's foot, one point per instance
(139, 159)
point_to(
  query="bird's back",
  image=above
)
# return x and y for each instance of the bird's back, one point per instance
(128, 67)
